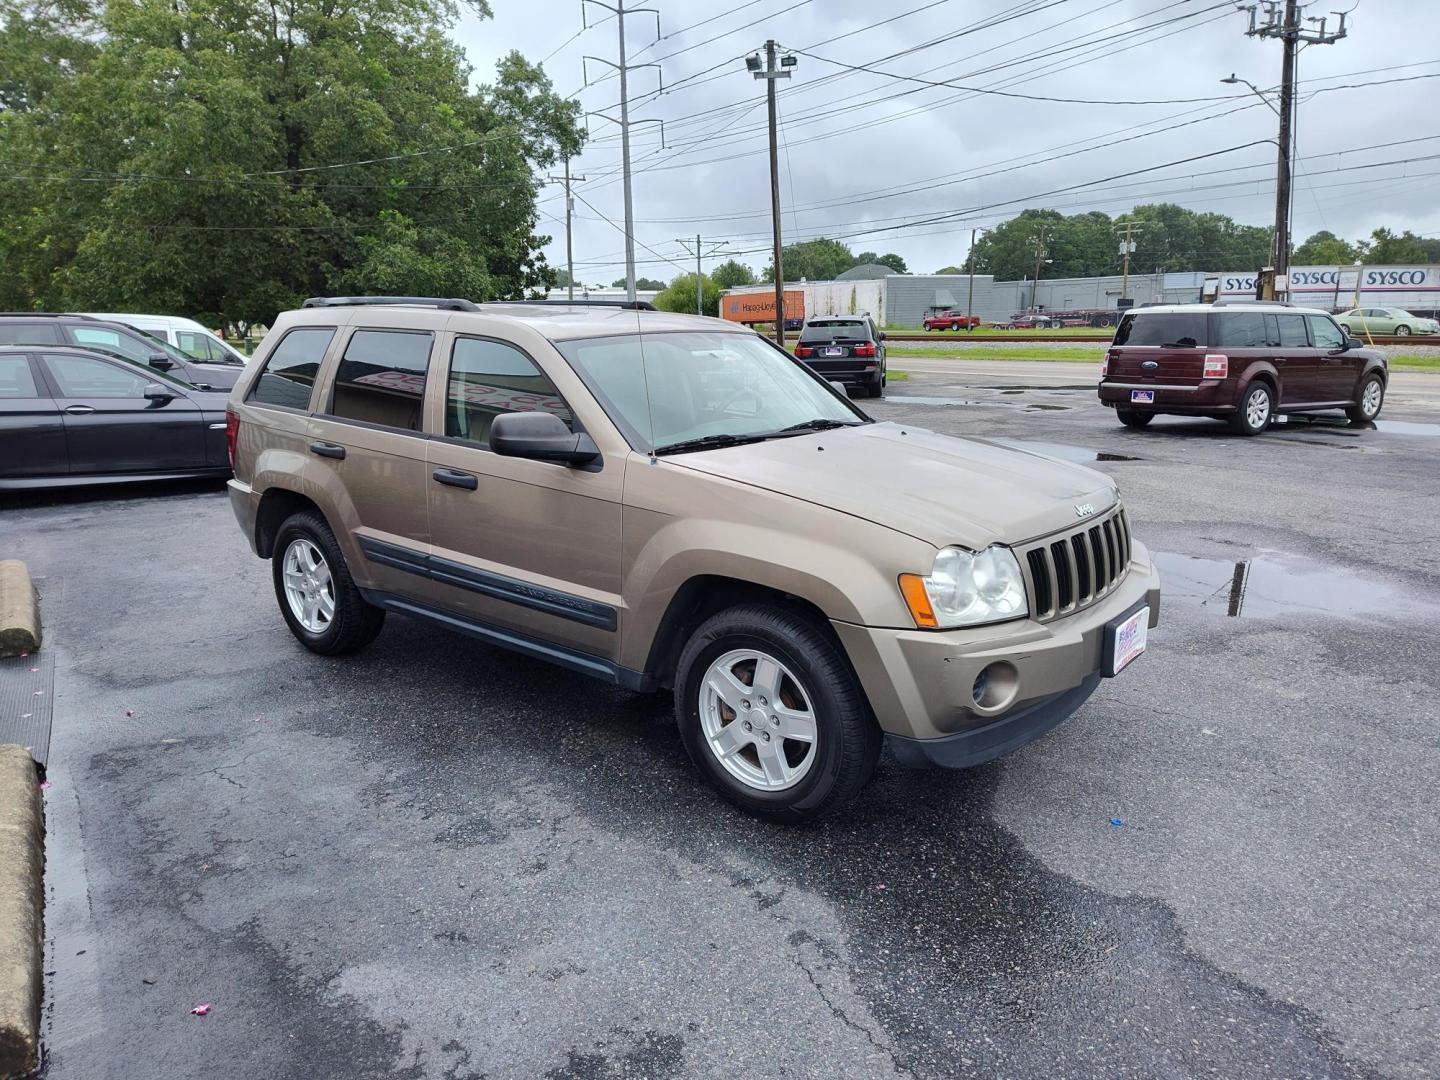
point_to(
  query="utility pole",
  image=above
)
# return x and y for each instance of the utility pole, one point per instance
(716, 248)
(1282, 20)
(1039, 240)
(770, 72)
(1127, 248)
(623, 69)
(970, 301)
(569, 213)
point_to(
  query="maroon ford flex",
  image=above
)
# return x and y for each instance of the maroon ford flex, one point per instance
(1244, 363)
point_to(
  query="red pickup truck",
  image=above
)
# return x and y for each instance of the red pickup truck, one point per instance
(950, 320)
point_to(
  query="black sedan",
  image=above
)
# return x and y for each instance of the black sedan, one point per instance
(73, 416)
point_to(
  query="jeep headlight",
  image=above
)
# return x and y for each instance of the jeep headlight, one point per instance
(967, 588)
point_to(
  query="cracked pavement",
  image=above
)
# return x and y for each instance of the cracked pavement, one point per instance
(440, 860)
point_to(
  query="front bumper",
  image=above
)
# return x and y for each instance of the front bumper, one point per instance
(919, 682)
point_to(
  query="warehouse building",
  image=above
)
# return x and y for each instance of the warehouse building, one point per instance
(906, 299)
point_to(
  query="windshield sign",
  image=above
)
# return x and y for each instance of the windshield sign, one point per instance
(665, 390)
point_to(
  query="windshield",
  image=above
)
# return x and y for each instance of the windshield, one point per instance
(836, 329)
(665, 389)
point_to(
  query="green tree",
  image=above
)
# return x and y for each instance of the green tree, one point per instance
(951, 270)
(813, 260)
(731, 274)
(895, 262)
(1384, 247)
(208, 161)
(640, 283)
(679, 295)
(1324, 248)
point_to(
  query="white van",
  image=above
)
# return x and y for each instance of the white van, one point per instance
(187, 335)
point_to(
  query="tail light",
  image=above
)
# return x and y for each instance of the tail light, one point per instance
(1216, 366)
(1105, 364)
(863, 350)
(232, 433)
(803, 352)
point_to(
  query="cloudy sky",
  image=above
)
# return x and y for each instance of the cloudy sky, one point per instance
(886, 161)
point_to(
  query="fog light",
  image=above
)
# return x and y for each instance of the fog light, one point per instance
(995, 687)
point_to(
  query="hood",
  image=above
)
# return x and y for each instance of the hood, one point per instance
(938, 488)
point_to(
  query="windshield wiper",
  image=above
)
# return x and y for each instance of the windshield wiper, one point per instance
(819, 424)
(708, 442)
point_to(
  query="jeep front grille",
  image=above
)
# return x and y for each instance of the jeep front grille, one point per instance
(1070, 571)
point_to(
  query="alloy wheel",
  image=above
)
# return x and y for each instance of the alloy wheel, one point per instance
(309, 586)
(1370, 402)
(758, 720)
(1257, 408)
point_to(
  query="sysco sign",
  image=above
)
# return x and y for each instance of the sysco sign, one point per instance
(1330, 279)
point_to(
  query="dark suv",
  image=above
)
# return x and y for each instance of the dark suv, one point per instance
(1242, 362)
(119, 340)
(848, 349)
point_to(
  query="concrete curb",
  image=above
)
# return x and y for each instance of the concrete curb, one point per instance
(22, 912)
(19, 610)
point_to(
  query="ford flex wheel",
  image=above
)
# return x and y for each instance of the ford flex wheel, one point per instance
(1133, 419)
(318, 599)
(1256, 410)
(1372, 397)
(772, 714)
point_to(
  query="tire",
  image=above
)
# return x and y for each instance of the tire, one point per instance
(1370, 401)
(1402, 330)
(352, 623)
(1133, 419)
(875, 389)
(1254, 416)
(804, 780)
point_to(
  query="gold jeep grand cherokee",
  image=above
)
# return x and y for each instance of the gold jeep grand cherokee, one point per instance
(667, 501)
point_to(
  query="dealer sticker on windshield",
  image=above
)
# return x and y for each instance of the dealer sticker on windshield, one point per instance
(1145, 396)
(1126, 640)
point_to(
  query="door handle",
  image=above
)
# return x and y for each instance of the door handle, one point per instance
(327, 449)
(79, 410)
(454, 478)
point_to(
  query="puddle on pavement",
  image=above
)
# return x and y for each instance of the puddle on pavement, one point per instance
(1039, 407)
(1344, 427)
(1277, 584)
(1084, 455)
(922, 399)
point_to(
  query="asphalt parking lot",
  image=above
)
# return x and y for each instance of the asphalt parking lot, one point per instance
(440, 860)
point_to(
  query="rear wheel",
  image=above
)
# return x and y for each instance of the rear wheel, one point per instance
(875, 388)
(1372, 397)
(1133, 419)
(771, 712)
(318, 598)
(1255, 410)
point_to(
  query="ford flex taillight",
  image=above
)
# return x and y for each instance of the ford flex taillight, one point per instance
(1216, 366)
(232, 433)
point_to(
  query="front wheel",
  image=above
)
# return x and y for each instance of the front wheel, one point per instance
(1402, 330)
(1134, 419)
(1255, 411)
(1367, 407)
(771, 712)
(320, 601)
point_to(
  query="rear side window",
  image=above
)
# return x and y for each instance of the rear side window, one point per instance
(29, 334)
(1292, 331)
(1177, 329)
(1326, 334)
(381, 378)
(836, 329)
(289, 373)
(16, 379)
(488, 378)
(1241, 330)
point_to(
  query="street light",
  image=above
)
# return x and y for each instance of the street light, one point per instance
(1235, 80)
(1282, 257)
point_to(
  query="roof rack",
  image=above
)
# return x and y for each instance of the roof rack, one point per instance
(626, 305)
(381, 301)
(49, 315)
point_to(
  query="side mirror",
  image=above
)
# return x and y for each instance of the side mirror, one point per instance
(156, 392)
(542, 437)
(160, 362)
(881, 336)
